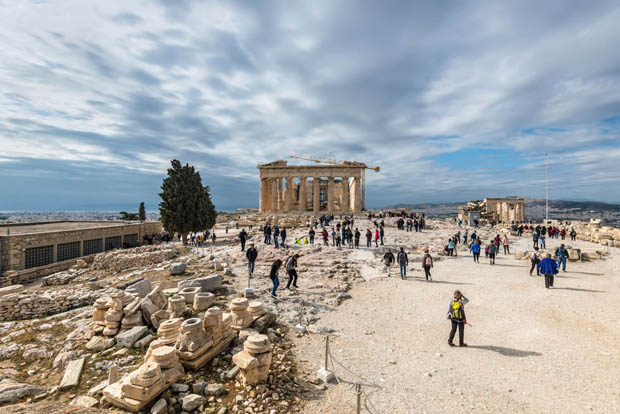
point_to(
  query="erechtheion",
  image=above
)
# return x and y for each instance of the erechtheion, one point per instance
(507, 210)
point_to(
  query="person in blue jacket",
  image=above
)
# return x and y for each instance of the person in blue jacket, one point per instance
(475, 249)
(548, 267)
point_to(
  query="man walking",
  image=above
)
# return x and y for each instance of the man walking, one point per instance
(548, 268)
(403, 261)
(561, 254)
(243, 237)
(357, 238)
(276, 234)
(251, 255)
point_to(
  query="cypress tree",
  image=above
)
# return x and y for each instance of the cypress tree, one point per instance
(142, 212)
(185, 203)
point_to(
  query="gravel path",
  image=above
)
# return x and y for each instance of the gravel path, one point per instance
(530, 349)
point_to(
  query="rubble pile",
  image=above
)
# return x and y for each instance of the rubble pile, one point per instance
(120, 260)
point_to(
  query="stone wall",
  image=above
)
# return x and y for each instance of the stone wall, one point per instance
(13, 247)
(29, 305)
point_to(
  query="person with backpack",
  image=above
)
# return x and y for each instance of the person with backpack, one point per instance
(456, 314)
(573, 235)
(273, 275)
(291, 270)
(548, 268)
(388, 259)
(427, 264)
(561, 254)
(403, 261)
(251, 255)
(243, 237)
(475, 250)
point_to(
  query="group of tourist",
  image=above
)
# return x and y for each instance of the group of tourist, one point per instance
(275, 234)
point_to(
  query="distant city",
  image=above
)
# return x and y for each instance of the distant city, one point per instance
(30, 216)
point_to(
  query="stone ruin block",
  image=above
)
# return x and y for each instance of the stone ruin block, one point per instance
(241, 318)
(189, 293)
(206, 284)
(141, 288)
(255, 359)
(138, 389)
(203, 301)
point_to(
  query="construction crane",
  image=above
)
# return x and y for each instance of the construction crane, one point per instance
(330, 161)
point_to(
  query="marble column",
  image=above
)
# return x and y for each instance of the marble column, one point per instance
(262, 203)
(280, 193)
(330, 194)
(357, 188)
(346, 198)
(288, 195)
(303, 198)
(274, 195)
(316, 195)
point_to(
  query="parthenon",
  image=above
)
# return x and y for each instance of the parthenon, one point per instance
(335, 188)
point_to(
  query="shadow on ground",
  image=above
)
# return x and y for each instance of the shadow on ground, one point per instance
(579, 289)
(411, 279)
(506, 351)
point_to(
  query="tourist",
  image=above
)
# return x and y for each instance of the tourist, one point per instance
(243, 237)
(416, 225)
(563, 233)
(456, 314)
(541, 241)
(357, 238)
(506, 244)
(573, 235)
(493, 249)
(450, 247)
(475, 250)
(548, 268)
(368, 238)
(311, 233)
(276, 234)
(213, 238)
(381, 232)
(325, 237)
(535, 259)
(291, 270)
(403, 261)
(251, 255)
(465, 237)
(273, 275)
(388, 259)
(267, 232)
(338, 241)
(333, 237)
(427, 264)
(561, 255)
(283, 237)
(376, 237)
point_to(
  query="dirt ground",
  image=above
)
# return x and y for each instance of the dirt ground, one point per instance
(531, 349)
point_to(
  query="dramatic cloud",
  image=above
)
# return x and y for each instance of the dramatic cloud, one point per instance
(453, 100)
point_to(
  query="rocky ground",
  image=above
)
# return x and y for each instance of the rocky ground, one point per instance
(531, 349)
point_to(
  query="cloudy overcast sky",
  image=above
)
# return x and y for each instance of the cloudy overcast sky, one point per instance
(454, 100)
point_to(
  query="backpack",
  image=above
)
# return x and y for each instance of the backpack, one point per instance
(428, 261)
(456, 312)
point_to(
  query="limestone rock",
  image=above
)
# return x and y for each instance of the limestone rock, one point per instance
(85, 401)
(192, 402)
(63, 357)
(160, 407)
(206, 284)
(128, 338)
(11, 391)
(37, 353)
(177, 268)
(71, 378)
(100, 343)
(215, 390)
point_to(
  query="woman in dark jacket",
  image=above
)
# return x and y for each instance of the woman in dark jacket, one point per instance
(273, 275)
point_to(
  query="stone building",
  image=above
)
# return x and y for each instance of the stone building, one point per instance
(32, 250)
(507, 210)
(334, 188)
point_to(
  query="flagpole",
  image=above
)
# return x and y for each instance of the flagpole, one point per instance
(546, 188)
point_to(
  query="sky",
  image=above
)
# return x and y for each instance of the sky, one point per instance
(453, 100)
